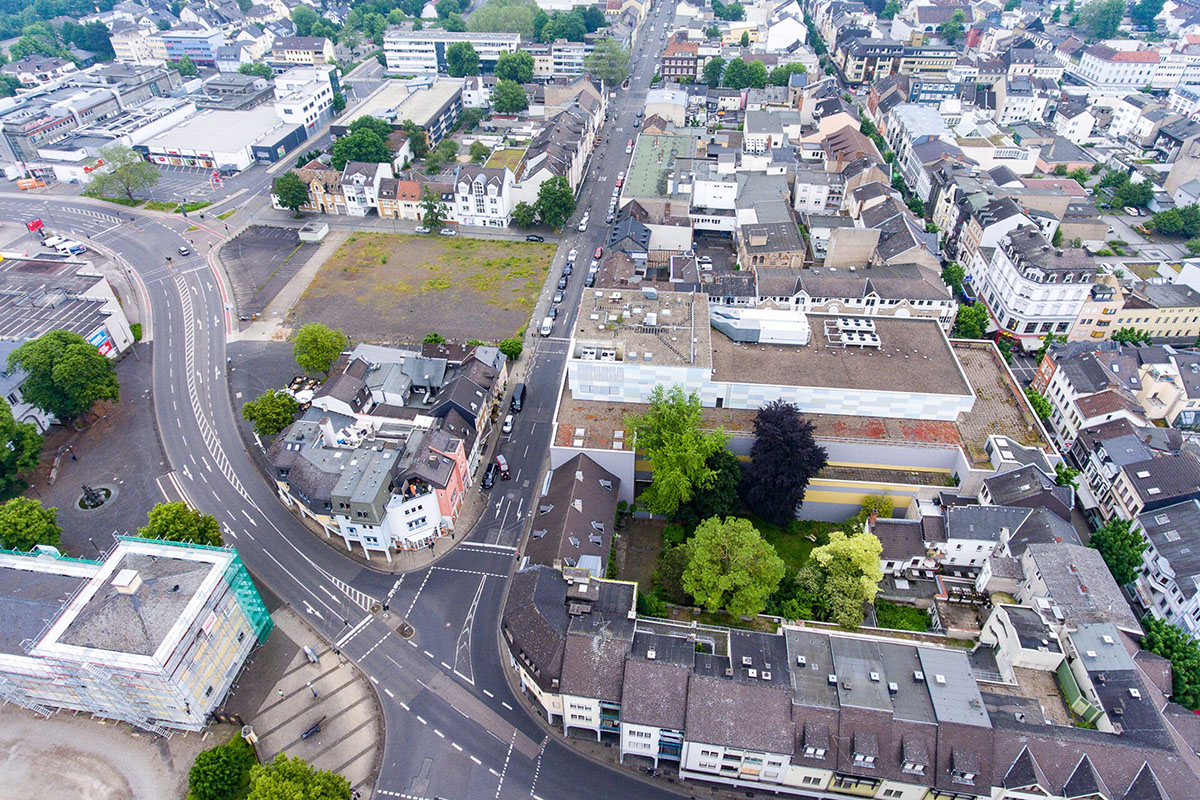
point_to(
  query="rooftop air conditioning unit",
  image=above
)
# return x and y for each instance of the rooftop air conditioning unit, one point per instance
(747, 661)
(753, 673)
(766, 675)
(875, 676)
(832, 679)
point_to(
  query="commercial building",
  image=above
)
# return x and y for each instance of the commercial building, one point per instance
(432, 103)
(152, 634)
(200, 45)
(229, 141)
(413, 52)
(304, 95)
(1103, 66)
(303, 51)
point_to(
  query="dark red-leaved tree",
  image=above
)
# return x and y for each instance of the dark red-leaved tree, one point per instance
(784, 458)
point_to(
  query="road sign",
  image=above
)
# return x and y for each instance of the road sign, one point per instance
(34, 225)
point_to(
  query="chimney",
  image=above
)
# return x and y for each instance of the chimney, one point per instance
(127, 581)
(327, 432)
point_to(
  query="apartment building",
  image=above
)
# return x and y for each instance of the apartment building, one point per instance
(132, 46)
(1166, 311)
(154, 633)
(680, 59)
(1031, 288)
(200, 45)
(424, 51)
(430, 102)
(304, 95)
(1171, 389)
(1105, 67)
(483, 196)
(1156, 482)
(304, 51)
(1168, 583)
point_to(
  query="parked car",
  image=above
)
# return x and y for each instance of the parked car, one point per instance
(448, 232)
(590, 280)
(637, 123)
(558, 297)
(533, 237)
(489, 476)
(608, 220)
(518, 398)
(1131, 211)
(595, 265)
(562, 282)
(552, 312)
(183, 251)
(599, 252)
(502, 467)
(566, 271)
(620, 176)
(420, 229)
(620, 182)
(571, 256)
(629, 146)
(583, 223)
(508, 424)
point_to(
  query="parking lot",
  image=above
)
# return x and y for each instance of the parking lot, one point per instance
(181, 183)
(260, 261)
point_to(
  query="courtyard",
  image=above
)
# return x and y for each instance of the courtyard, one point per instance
(397, 288)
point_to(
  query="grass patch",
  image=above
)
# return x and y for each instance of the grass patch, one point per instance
(792, 541)
(227, 214)
(192, 228)
(160, 205)
(121, 201)
(194, 206)
(900, 617)
(136, 329)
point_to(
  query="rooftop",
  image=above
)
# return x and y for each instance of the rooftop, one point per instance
(44, 294)
(33, 590)
(654, 155)
(397, 101)
(220, 131)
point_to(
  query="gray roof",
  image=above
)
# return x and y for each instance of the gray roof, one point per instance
(575, 516)
(1164, 477)
(29, 600)
(594, 666)
(901, 538)
(765, 653)
(654, 693)
(1032, 631)
(1100, 647)
(754, 716)
(1078, 581)
(535, 622)
(810, 680)
(956, 699)
(1042, 526)
(1172, 532)
(983, 523)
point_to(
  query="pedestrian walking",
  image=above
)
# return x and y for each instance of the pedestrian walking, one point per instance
(281, 692)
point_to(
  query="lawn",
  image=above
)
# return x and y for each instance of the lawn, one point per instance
(900, 617)
(792, 542)
(396, 288)
(508, 157)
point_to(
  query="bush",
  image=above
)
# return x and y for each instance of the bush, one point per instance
(899, 617)
(136, 329)
(222, 772)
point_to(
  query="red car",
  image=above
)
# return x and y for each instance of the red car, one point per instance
(599, 252)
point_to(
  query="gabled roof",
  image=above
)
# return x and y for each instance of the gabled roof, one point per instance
(1145, 786)
(1025, 773)
(1085, 781)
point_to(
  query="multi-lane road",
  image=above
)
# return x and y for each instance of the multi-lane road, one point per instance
(453, 728)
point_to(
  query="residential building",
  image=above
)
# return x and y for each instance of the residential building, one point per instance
(1168, 583)
(1154, 483)
(38, 68)
(150, 633)
(303, 51)
(200, 45)
(413, 52)
(304, 95)
(1170, 389)
(431, 103)
(1103, 66)
(573, 526)
(680, 59)
(483, 196)
(1074, 122)
(132, 46)
(400, 199)
(1166, 311)
(360, 186)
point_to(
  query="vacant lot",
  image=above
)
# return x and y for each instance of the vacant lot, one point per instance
(393, 288)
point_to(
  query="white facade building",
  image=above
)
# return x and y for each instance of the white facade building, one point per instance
(304, 95)
(1168, 584)
(412, 52)
(483, 196)
(1101, 65)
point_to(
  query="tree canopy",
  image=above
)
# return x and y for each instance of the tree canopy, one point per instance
(846, 572)
(516, 66)
(505, 16)
(1144, 12)
(1039, 403)
(1183, 652)
(511, 347)
(291, 191)
(952, 29)
(731, 566)
(294, 779)
(259, 68)
(523, 215)
(712, 71)
(952, 275)
(361, 145)
(433, 210)
(555, 201)
(608, 61)
(508, 97)
(781, 74)
(318, 346)
(221, 772)
(971, 322)
(125, 172)
(20, 449)
(26, 523)
(720, 498)
(65, 375)
(1177, 221)
(1130, 335)
(461, 58)
(670, 435)
(271, 411)
(1121, 548)
(1101, 17)
(783, 459)
(176, 522)
(741, 74)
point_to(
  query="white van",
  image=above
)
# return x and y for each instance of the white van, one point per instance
(53, 241)
(70, 247)
(547, 326)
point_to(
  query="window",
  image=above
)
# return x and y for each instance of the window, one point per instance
(814, 752)
(863, 760)
(811, 780)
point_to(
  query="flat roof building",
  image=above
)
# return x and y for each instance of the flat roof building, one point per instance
(431, 103)
(226, 140)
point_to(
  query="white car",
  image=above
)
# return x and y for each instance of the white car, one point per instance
(420, 229)
(571, 256)
(508, 424)
(583, 223)
(448, 232)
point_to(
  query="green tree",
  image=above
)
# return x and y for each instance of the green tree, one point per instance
(608, 61)
(1183, 652)
(1048, 341)
(65, 375)
(434, 338)
(1121, 547)
(1039, 403)
(890, 10)
(878, 505)
(523, 214)
(952, 29)
(1177, 221)
(271, 411)
(509, 16)
(952, 275)
(1112, 178)
(1136, 195)
(555, 202)
(1080, 176)
(25, 523)
(433, 210)
(731, 12)
(1066, 476)
(668, 574)
(469, 118)
(20, 449)
(512, 347)
(564, 26)
(260, 69)
(516, 66)
(186, 67)
(783, 459)
(1102, 17)
(176, 522)
(317, 347)
(508, 97)
(741, 74)
(447, 7)
(712, 32)
(221, 772)
(291, 191)
(125, 172)
(847, 572)
(745, 40)
(1057, 239)
(360, 146)
(781, 74)
(713, 70)
(731, 566)
(338, 103)
(454, 23)
(1144, 12)
(479, 151)
(1060, 169)
(1132, 336)
(1193, 245)
(303, 17)
(461, 58)
(720, 498)
(418, 140)
(669, 434)
(971, 322)
(294, 779)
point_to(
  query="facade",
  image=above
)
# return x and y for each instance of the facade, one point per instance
(154, 634)
(304, 95)
(132, 46)
(483, 196)
(414, 52)
(1102, 66)
(431, 103)
(1168, 583)
(301, 51)
(199, 45)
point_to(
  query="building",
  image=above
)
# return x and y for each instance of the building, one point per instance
(304, 95)
(573, 526)
(1166, 311)
(1168, 583)
(1105, 67)
(1156, 482)
(414, 52)
(200, 45)
(132, 46)
(38, 68)
(229, 141)
(48, 293)
(431, 103)
(680, 59)
(1031, 288)
(300, 51)
(483, 196)
(153, 633)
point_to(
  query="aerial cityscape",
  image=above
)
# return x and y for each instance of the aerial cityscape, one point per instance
(553, 399)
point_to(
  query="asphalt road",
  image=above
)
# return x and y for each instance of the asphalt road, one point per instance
(452, 727)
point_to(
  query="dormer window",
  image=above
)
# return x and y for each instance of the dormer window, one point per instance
(864, 760)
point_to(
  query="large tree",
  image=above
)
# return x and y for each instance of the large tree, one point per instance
(1041, 406)
(294, 779)
(433, 210)
(508, 97)
(555, 202)
(781, 75)
(731, 566)
(317, 346)
(186, 67)
(361, 145)
(1102, 17)
(125, 172)
(222, 772)
(608, 61)
(523, 215)
(720, 498)
(952, 275)
(65, 375)
(712, 71)
(670, 435)
(418, 140)
(509, 16)
(1183, 652)
(740, 74)
(258, 68)
(25, 523)
(971, 322)
(291, 191)
(1144, 11)
(952, 29)
(1131, 335)
(271, 411)
(176, 522)
(516, 66)
(20, 448)
(783, 459)
(461, 59)
(847, 573)
(1121, 548)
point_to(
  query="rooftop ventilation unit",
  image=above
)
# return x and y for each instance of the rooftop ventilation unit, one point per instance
(650, 654)
(893, 687)
(801, 661)
(766, 675)
(832, 679)
(941, 679)
(875, 677)
(918, 676)
(747, 661)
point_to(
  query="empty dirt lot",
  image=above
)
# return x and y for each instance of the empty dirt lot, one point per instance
(395, 288)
